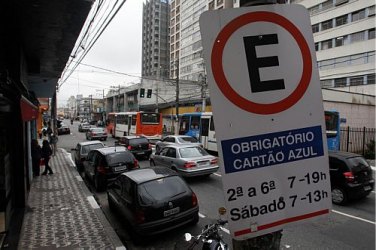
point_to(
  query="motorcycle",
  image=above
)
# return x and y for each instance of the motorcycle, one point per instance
(210, 236)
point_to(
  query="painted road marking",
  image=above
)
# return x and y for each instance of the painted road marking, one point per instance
(353, 217)
(93, 202)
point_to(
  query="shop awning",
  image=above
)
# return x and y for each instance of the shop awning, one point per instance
(28, 110)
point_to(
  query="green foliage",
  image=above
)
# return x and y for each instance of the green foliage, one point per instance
(370, 151)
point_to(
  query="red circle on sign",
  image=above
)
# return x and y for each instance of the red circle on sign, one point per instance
(230, 93)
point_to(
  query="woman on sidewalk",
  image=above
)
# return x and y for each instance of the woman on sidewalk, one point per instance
(35, 157)
(46, 153)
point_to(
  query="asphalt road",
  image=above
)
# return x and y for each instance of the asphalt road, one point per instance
(347, 227)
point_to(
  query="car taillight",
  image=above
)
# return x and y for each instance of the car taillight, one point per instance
(101, 169)
(349, 176)
(189, 164)
(214, 161)
(135, 163)
(93, 133)
(129, 147)
(194, 199)
(139, 216)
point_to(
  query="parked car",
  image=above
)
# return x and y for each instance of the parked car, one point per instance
(103, 165)
(83, 127)
(138, 145)
(187, 160)
(81, 151)
(63, 130)
(350, 176)
(96, 133)
(153, 200)
(176, 139)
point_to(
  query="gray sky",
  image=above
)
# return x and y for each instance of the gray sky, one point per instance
(118, 49)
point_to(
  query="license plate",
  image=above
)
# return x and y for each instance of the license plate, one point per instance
(141, 153)
(120, 168)
(169, 212)
(367, 188)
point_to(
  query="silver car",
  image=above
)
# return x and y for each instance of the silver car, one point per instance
(176, 139)
(83, 127)
(187, 160)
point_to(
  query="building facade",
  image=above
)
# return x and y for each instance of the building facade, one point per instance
(155, 38)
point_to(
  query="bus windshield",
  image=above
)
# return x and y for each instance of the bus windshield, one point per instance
(331, 123)
(150, 118)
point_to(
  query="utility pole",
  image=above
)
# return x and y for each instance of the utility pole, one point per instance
(202, 79)
(177, 95)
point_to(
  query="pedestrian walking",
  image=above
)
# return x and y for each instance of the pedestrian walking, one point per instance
(46, 153)
(54, 139)
(36, 155)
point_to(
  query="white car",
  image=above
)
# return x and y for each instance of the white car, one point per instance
(176, 140)
(83, 127)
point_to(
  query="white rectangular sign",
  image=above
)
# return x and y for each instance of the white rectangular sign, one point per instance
(269, 117)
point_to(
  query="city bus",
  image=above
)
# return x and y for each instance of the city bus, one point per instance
(148, 124)
(333, 130)
(201, 126)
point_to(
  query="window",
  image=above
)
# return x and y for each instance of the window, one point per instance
(326, 83)
(317, 46)
(340, 41)
(358, 59)
(327, 25)
(357, 80)
(371, 79)
(316, 28)
(327, 64)
(358, 15)
(339, 2)
(340, 82)
(371, 33)
(327, 5)
(371, 11)
(341, 20)
(357, 37)
(326, 44)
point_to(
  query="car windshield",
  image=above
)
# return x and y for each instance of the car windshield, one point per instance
(86, 149)
(187, 139)
(119, 157)
(137, 141)
(192, 152)
(161, 189)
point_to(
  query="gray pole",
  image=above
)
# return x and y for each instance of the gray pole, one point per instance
(177, 96)
(272, 240)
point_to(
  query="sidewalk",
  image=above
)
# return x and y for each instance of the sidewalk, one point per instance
(63, 213)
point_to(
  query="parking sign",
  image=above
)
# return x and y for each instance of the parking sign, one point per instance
(269, 117)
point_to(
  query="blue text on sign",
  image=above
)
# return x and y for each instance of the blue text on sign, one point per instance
(259, 151)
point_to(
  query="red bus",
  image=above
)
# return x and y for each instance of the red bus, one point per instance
(148, 124)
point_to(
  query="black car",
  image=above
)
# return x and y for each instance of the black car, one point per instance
(153, 200)
(138, 145)
(350, 176)
(103, 165)
(81, 151)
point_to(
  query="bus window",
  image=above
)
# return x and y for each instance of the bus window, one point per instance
(121, 119)
(150, 118)
(184, 125)
(195, 122)
(211, 123)
(134, 120)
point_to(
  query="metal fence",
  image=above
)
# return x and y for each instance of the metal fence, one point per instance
(356, 140)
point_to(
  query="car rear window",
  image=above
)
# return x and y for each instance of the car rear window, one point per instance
(187, 139)
(137, 141)
(86, 149)
(97, 130)
(161, 189)
(119, 157)
(357, 162)
(192, 152)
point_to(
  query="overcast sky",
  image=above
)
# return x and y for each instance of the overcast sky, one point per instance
(118, 49)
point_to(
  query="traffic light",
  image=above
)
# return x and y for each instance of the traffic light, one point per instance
(148, 95)
(142, 93)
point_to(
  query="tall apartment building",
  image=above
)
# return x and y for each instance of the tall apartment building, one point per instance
(155, 38)
(344, 35)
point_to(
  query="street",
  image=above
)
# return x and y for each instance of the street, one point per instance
(347, 227)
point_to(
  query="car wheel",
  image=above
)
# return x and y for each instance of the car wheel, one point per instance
(196, 218)
(152, 163)
(339, 196)
(98, 183)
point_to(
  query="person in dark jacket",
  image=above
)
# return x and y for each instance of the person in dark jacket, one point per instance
(46, 153)
(36, 155)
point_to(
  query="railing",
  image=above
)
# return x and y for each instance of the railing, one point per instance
(357, 140)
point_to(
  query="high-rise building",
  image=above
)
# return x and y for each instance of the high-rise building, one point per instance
(344, 35)
(174, 37)
(155, 38)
